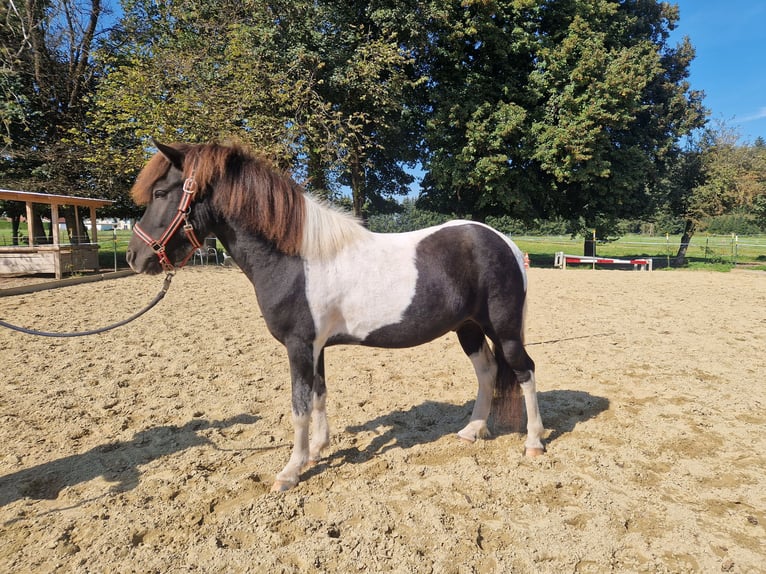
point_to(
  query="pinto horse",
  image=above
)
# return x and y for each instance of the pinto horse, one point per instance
(322, 279)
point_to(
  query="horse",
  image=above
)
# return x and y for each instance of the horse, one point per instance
(322, 279)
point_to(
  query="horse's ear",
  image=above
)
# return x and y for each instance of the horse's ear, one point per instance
(174, 155)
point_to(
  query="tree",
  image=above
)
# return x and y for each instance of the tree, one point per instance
(720, 177)
(316, 86)
(478, 57)
(367, 77)
(570, 109)
(46, 78)
(195, 72)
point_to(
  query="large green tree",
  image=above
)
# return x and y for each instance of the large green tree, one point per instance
(368, 78)
(317, 86)
(46, 78)
(533, 108)
(570, 108)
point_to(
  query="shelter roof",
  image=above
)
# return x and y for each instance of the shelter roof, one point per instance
(50, 199)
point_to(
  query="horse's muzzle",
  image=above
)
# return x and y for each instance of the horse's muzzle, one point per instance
(143, 263)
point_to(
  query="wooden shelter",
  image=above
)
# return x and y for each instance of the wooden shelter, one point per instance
(57, 258)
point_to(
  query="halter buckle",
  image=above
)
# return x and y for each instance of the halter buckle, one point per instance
(190, 185)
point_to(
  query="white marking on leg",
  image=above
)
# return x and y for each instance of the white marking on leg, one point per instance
(535, 429)
(486, 371)
(288, 477)
(321, 429)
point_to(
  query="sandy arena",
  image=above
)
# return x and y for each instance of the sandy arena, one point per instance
(152, 448)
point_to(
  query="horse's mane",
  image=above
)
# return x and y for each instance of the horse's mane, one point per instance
(254, 193)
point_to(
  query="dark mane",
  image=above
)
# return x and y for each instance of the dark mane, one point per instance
(248, 190)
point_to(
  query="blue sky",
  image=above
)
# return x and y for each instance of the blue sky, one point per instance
(730, 67)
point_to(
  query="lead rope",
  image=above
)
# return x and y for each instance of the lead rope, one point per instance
(152, 303)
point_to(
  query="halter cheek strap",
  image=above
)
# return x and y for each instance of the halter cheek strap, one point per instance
(181, 217)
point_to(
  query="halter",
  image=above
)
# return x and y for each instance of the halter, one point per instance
(182, 217)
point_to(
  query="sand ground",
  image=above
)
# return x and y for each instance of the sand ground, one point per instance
(152, 448)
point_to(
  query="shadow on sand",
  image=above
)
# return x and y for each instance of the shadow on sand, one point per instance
(427, 422)
(117, 462)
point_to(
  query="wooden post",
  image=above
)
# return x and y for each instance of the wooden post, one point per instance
(56, 240)
(30, 224)
(76, 235)
(55, 223)
(94, 233)
(93, 226)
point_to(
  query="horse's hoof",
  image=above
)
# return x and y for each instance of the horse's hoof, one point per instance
(281, 486)
(467, 439)
(534, 452)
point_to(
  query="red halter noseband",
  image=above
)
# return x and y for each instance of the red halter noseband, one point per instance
(182, 216)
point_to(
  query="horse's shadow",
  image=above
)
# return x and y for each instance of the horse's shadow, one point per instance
(561, 410)
(117, 462)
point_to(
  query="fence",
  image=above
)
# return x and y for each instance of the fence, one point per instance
(729, 249)
(112, 249)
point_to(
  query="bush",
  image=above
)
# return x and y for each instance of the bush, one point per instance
(736, 223)
(409, 219)
(507, 224)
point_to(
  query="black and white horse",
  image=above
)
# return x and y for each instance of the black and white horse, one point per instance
(322, 279)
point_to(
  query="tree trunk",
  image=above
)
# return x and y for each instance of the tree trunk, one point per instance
(15, 224)
(75, 228)
(37, 230)
(680, 259)
(317, 178)
(357, 184)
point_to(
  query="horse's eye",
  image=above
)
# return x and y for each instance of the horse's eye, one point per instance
(160, 193)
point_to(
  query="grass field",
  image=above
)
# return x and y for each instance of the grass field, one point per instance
(707, 252)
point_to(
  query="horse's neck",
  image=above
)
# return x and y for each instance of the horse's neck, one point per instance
(248, 249)
(268, 269)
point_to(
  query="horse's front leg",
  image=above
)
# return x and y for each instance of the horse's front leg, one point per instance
(321, 432)
(302, 375)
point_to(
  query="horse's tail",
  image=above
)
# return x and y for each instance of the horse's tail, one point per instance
(507, 407)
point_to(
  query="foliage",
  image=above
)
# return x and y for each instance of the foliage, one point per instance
(316, 86)
(737, 223)
(718, 177)
(531, 115)
(568, 109)
(45, 79)
(409, 218)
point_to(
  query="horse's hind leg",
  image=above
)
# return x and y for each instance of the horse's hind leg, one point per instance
(534, 443)
(475, 345)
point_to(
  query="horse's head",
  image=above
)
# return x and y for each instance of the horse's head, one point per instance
(172, 225)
